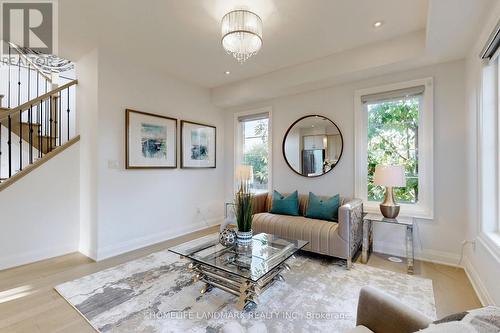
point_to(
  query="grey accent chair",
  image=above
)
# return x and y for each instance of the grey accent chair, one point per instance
(382, 313)
(340, 239)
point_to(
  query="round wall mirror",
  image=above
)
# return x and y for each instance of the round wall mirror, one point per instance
(313, 146)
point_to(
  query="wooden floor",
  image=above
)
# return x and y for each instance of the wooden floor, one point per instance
(28, 302)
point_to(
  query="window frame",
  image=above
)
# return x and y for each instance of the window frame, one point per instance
(488, 150)
(424, 208)
(238, 143)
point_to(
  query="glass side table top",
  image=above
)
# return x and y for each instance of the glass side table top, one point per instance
(266, 252)
(402, 220)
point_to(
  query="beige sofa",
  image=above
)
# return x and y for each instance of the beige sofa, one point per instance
(340, 239)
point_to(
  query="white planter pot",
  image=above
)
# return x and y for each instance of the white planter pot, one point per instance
(244, 237)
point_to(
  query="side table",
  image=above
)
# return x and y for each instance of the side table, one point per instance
(368, 222)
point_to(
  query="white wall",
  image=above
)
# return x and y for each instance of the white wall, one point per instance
(39, 213)
(482, 261)
(337, 103)
(88, 123)
(136, 208)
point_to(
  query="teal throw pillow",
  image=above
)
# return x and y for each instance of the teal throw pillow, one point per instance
(320, 209)
(285, 205)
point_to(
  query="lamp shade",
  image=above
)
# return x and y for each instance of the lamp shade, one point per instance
(390, 175)
(241, 34)
(244, 173)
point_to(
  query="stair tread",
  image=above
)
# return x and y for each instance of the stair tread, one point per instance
(33, 124)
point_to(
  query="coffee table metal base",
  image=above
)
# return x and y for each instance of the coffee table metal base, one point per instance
(246, 290)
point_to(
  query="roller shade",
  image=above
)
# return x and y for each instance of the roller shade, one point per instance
(394, 94)
(252, 117)
(492, 47)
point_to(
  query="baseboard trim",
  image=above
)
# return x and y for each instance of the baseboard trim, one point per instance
(35, 256)
(141, 242)
(89, 253)
(477, 283)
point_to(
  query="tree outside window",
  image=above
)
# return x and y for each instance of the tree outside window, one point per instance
(393, 140)
(256, 151)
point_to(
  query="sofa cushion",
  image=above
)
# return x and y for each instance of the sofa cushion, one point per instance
(321, 235)
(265, 202)
(322, 209)
(285, 205)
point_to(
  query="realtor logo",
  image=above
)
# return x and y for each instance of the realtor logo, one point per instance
(29, 24)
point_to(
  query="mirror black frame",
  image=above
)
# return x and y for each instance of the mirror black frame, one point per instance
(288, 131)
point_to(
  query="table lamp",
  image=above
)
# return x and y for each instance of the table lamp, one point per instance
(389, 176)
(244, 176)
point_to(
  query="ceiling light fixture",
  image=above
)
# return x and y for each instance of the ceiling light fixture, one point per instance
(241, 34)
(378, 24)
(227, 72)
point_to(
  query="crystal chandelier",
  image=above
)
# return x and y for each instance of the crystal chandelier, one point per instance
(241, 34)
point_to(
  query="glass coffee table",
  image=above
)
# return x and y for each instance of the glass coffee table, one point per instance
(244, 272)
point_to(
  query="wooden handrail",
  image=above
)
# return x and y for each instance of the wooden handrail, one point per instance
(37, 100)
(21, 54)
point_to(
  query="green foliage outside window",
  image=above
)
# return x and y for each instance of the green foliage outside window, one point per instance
(393, 140)
(257, 156)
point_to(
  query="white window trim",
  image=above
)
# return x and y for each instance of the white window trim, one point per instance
(237, 141)
(425, 207)
(488, 162)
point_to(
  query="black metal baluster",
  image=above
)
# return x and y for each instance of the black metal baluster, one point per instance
(29, 81)
(30, 114)
(60, 119)
(37, 83)
(20, 140)
(40, 128)
(30, 122)
(8, 97)
(9, 143)
(67, 112)
(19, 81)
(51, 120)
(0, 152)
(38, 118)
(20, 114)
(46, 120)
(54, 111)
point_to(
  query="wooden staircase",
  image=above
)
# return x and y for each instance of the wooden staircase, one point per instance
(40, 142)
(36, 130)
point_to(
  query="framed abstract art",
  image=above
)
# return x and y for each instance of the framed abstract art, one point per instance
(198, 145)
(151, 141)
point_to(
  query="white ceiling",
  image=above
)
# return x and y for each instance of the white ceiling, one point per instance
(183, 37)
(308, 44)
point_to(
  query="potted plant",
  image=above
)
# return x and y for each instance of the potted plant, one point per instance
(244, 205)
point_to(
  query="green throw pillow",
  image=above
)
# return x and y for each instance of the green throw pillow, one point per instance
(320, 209)
(285, 205)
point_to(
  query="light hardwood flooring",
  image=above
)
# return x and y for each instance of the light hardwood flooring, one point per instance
(28, 302)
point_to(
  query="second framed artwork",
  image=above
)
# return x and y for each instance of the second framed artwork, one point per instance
(198, 145)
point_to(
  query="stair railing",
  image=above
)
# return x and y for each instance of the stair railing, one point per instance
(37, 116)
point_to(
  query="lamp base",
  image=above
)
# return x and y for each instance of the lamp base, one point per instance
(389, 208)
(390, 212)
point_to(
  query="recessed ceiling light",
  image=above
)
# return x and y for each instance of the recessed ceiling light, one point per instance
(378, 24)
(227, 72)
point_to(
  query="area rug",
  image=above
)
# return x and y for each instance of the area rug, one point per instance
(156, 294)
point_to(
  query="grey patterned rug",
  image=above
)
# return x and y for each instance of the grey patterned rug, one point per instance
(156, 294)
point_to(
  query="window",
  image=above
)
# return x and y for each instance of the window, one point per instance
(488, 142)
(394, 127)
(489, 146)
(253, 147)
(393, 140)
